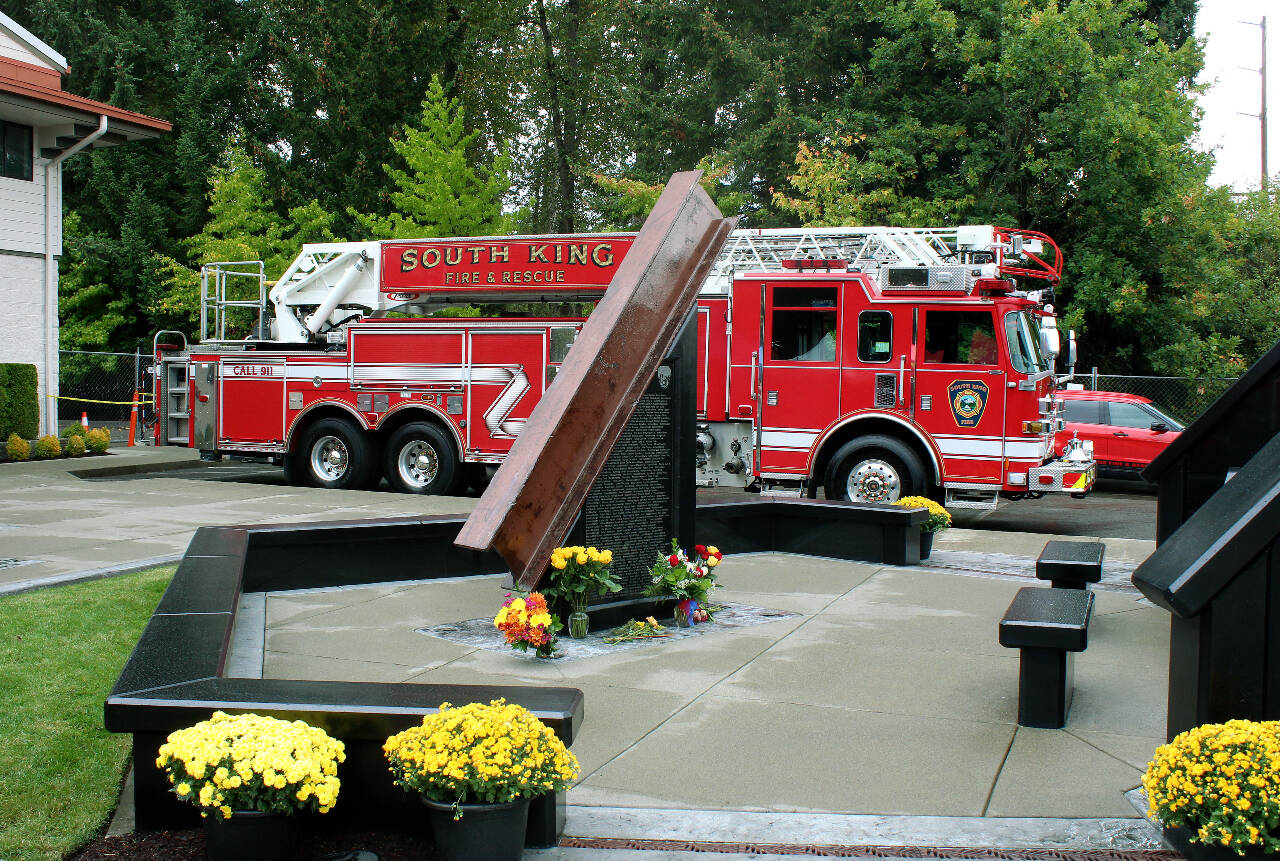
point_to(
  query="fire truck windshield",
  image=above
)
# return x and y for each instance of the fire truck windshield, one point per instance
(1024, 345)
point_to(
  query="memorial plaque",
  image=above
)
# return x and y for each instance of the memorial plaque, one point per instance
(645, 494)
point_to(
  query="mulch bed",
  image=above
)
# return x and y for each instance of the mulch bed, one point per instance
(188, 845)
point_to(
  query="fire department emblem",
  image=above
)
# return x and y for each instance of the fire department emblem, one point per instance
(968, 399)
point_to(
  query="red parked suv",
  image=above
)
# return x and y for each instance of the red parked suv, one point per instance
(1127, 431)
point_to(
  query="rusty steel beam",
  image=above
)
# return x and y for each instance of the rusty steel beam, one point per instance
(537, 493)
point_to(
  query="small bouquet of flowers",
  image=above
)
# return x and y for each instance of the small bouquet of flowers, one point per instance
(633, 630)
(577, 574)
(525, 622)
(689, 578)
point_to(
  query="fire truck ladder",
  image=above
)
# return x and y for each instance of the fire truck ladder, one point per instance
(872, 249)
(223, 286)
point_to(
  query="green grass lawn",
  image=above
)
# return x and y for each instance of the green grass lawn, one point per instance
(60, 652)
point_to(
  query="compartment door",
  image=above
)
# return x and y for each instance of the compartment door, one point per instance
(507, 376)
(251, 403)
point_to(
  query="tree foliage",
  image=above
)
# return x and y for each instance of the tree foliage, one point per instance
(444, 191)
(1068, 116)
(243, 226)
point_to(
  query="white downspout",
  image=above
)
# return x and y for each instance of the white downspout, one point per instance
(48, 404)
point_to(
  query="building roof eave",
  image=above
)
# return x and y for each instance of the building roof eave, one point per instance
(73, 108)
(36, 46)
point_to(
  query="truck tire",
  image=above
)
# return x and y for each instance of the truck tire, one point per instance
(420, 459)
(336, 454)
(874, 469)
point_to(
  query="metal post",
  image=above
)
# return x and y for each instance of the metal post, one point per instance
(1094, 384)
(1262, 111)
(1262, 114)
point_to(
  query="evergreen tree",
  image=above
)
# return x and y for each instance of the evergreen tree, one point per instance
(441, 193)
(345, 75)
(243, 225)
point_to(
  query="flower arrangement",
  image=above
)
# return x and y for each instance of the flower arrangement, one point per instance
(480, 753)
(688, 578)
(939, 517)
(1221, 782)
(253, 762)
(577, 573)
(525, 622)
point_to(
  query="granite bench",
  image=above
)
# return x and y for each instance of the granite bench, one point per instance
(1048, 626)
(1070, 564)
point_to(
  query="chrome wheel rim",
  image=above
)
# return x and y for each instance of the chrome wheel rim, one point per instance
(418, 463)
(873, 480)
(330, 458)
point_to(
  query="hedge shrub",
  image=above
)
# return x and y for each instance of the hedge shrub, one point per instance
(98, 440)
(18, 448)
(76, 429)
(19, 400)
(75, 445)
(48, 446)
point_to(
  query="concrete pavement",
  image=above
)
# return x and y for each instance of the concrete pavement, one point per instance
(882, 712)
(75, 519)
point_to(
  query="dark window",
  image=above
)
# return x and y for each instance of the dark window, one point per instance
(960, 338)
(1124, 415)
(804, 297)
(804, 324)
(875, 336)
(16, 145)
(1081, 412)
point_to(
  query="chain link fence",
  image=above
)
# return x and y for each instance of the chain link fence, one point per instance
(101, 386)
(1184, 398)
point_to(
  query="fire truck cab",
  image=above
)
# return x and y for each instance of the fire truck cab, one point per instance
(823, 378)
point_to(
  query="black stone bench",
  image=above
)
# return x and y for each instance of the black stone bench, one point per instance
(1048, 625)
(1071, 564)
(175, 676)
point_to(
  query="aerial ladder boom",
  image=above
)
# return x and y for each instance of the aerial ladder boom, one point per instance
(330, 284)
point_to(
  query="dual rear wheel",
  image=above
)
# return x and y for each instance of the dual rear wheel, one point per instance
(418, 458)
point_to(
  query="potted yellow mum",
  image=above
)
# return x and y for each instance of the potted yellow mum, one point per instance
(1216, 789)
(476, 767)
(939, 519)
(248, 773)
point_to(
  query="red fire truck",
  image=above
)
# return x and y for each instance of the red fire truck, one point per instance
(868, 363)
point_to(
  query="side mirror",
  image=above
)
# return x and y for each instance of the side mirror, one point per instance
(1071, 349)
(1159, 427)
(1050, 343)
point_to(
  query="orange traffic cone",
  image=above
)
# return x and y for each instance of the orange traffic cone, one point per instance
(133, 418)
(84, 420)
